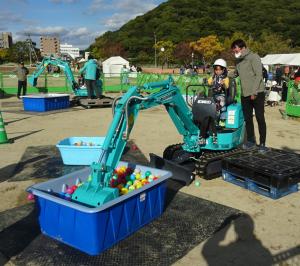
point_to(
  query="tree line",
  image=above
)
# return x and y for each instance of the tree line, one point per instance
(267, 26)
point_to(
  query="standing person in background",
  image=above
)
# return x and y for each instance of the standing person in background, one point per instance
(285, 80)
(278, 75)
(125, 75)
(90, 77)
(22, 73)
(249, 68)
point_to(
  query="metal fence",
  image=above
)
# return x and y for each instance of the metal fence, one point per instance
(111, 83)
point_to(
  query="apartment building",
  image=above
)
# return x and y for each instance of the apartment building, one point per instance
(50, 46)
(5, 40)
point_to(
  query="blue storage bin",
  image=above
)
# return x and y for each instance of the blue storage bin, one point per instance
(45, 102)
(93, 230)
(80, 155)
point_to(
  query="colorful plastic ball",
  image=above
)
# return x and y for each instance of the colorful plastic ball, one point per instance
(74, 188)
(69, 190)
(129, 183)
(197, 183)
(131, 188)
(134, 147)
(115, 177)
(30, 196)
(120, 186)
(137, 170)
(124, 191)
(147, 173)
(132, 177)
(138, 176)
(144, 181)
(129, 170)
(137, 182)
(139, 185)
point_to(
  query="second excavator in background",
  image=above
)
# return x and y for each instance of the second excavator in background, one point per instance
(79, 96)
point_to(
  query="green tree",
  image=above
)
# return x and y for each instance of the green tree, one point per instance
(3, 55)
(19, 52)
(272, 43)
(166, 51)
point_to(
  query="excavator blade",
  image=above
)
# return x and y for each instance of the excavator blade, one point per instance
(180, 172)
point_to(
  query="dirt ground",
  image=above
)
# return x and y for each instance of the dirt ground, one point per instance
(275, 222)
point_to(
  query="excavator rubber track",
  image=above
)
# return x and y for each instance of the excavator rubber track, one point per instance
(209, 164)
(185, 166)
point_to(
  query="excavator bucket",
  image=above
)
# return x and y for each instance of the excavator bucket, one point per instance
(94, 192)
(95, 196)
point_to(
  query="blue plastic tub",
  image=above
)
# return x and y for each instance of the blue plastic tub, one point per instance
(93, 230)
(45, 102)
(84, 154)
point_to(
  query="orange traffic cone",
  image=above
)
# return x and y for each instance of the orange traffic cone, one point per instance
(3, 135)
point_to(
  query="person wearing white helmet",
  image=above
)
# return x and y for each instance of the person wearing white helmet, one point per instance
(219, 83)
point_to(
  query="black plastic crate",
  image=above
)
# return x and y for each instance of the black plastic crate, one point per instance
(277, 172)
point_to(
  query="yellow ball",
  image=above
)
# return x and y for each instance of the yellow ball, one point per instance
(124, 191)
(144, 181)
(138, 176)
(138, 186)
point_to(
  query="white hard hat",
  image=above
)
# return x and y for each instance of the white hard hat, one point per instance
(220, 62)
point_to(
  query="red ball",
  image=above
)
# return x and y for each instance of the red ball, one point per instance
(30, 196)
(134, 147)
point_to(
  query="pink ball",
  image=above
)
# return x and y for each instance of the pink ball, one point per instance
(69, 190)
(30, 196)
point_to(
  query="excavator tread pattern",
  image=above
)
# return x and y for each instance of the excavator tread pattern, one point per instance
(205, 160)
(209, 157)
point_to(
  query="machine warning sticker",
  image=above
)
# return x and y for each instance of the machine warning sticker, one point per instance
(142, 197)
(231, 116)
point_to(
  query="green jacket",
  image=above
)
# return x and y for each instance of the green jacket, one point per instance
(90, 69)
(249, 68)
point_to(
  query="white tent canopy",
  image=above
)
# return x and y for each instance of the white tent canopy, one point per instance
(113, 65)
(281, 59)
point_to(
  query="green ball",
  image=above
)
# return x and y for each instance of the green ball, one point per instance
(197, 183)
(147, 173)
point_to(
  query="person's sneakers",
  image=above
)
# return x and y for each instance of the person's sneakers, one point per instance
(249, 145)
(262, 148)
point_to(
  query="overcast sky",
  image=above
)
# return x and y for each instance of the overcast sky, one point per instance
(76, 22)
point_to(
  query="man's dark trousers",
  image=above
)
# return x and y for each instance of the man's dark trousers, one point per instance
(258, 104)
